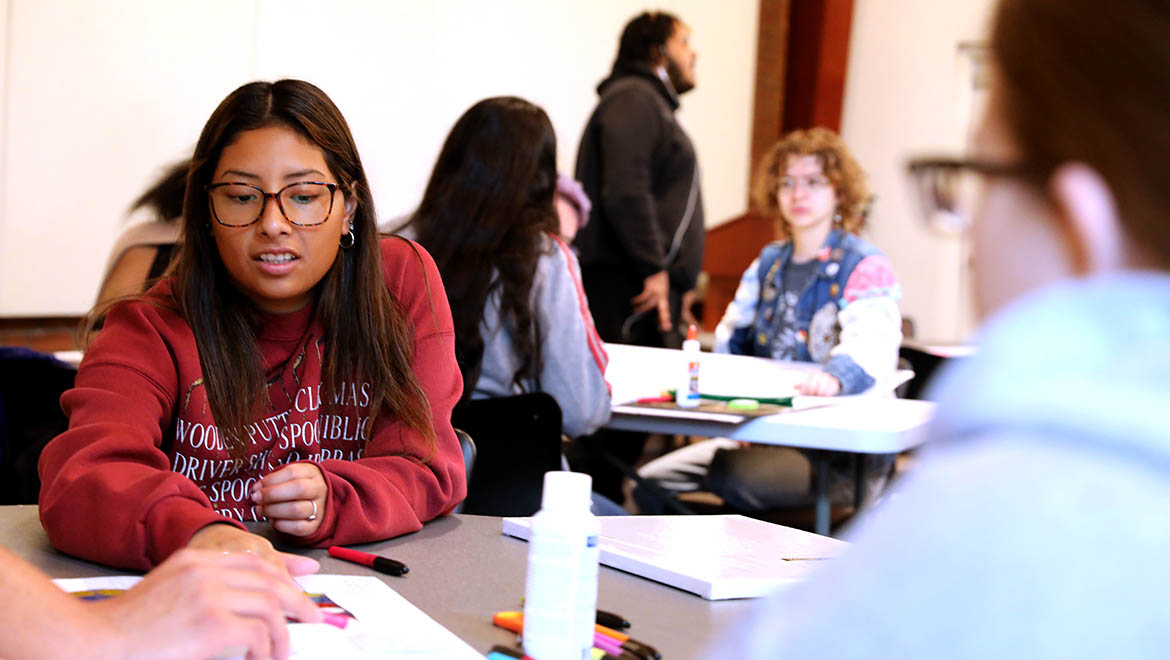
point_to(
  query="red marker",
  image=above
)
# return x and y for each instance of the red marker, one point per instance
(380, 564)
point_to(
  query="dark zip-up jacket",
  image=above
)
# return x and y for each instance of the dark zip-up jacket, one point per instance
(639, 168)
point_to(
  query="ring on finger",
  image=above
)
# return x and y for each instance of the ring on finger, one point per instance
(313, 515)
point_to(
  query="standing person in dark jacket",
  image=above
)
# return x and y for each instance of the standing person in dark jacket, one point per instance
(643, 247)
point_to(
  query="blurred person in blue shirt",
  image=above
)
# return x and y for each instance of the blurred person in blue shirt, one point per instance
(1033, 526)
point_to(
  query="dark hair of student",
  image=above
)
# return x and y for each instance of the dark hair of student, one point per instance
(483, 216)
(644, 39)
(1077, 82)
(367, 335)
(165, 196)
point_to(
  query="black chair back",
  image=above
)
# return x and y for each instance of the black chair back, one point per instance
(924, 364)
(31, 385)
(517, 440)
(467, 446)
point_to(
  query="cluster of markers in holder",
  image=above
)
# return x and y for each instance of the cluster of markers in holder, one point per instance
(609, 643)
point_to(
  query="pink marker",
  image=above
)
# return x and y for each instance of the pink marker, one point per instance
(607, 644)
(337, 620)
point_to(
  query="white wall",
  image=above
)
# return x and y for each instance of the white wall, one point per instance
(100, 96)
(904, 96)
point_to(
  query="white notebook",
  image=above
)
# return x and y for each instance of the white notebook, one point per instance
(716, 557)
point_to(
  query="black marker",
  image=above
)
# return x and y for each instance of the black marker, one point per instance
(611, 620)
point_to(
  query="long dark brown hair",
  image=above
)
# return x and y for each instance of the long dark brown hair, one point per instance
(483, 217)
(644, 38)
(367, 335)
(165, 195)
(1084, 81)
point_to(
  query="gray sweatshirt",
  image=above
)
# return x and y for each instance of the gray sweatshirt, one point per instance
(573, 355)
(1035, 525)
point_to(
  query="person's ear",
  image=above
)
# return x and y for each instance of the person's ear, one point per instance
(351, 204)
(1089, 218)
(659, 55)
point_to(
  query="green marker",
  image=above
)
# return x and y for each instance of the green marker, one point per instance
(775, 401)
(761, 400)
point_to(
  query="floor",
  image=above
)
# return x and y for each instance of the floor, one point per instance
(709, 503)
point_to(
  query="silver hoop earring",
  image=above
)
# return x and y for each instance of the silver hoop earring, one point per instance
(347, 245)
(837, 217)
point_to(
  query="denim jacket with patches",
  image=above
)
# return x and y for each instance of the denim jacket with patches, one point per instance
(847, 316)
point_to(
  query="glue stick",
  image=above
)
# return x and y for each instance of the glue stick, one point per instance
(687, 394)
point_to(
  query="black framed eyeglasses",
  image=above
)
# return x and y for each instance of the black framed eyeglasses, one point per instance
(948, 189)
(304, 204)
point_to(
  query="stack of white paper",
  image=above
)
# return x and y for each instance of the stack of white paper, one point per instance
(716, 557)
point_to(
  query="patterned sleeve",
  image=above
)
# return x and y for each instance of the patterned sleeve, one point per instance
(873, 277)
(741, 311)
(871, 326)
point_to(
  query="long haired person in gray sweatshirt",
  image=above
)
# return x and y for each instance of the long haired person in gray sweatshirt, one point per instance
(522, 323)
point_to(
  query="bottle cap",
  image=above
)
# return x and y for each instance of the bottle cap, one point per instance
(692, 332)
(566, 490)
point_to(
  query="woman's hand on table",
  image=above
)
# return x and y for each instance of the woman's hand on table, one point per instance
(819, 383)
(227, 539)
(293, 498)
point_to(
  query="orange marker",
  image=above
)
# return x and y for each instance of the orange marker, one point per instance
(513, 621)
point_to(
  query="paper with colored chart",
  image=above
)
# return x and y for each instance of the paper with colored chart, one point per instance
(387, 625)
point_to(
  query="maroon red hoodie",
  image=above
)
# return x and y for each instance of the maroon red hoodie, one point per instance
(143, 465)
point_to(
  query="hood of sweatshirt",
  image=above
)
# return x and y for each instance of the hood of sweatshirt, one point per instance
(1084, 362)
(645, 72)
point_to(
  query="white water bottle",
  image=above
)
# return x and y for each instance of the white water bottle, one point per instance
(560, 593)
(687, 394)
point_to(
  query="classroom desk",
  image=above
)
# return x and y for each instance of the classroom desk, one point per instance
(461, 571)
(863, 424)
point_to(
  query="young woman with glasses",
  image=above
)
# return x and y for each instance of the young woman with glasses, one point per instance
(821, 295)
(295, 368)
(1034, 524)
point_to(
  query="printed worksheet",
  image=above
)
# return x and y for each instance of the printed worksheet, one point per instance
(380, 623)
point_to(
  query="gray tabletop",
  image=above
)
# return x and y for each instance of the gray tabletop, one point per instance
(461, 571)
